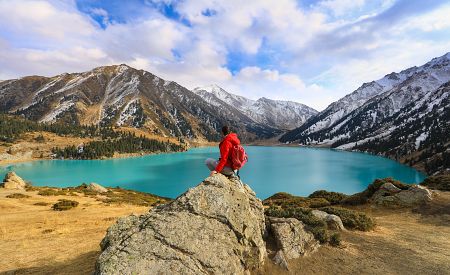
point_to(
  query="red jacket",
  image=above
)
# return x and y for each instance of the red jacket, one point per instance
(225, 154)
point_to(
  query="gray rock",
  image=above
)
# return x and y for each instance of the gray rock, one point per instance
(415, 195)
(13, 181)
(214, 228)
(96, 188)
(389, 187)
(291, 237)
(333, 222)
(280, 260)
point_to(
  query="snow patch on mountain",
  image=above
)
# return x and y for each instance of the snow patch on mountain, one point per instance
(276, 113)
(50, 117)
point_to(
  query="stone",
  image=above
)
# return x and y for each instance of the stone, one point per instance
(216, 227)
(280, 260)
(13, 181)
(96, 188)
(333, 222)
(390, 188)
(291, 237)
(413, 196)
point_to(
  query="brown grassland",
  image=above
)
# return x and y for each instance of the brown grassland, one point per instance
(34, 239)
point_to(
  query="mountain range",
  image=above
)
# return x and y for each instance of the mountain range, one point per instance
(404, 116)
(285, 115)
(123, 96)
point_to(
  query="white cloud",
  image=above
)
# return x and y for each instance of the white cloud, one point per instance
(433, 21)
(51, 37)
(42, 20)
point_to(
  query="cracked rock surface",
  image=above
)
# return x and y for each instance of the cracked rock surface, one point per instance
(216, 227)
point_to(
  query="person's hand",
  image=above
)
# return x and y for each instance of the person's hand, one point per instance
(212, 173)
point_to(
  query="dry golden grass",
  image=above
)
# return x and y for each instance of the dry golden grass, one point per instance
(404, 242)
(35, 239)
(28, 149)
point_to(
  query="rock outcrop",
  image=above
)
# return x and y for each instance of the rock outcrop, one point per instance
(216, 227)
(13, 181)
(390, 195)
(333, 222)
(96, 188)
(291, 237)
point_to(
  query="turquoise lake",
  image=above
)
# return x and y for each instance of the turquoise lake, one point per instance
(296, 170)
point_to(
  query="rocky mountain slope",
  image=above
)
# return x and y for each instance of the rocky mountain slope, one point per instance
(274, 113)
(123, 96)
(404, 116)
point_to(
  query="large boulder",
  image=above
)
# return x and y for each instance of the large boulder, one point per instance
(216, 227)
(95, 187)
(389, 195)
(13, 181)
(333, 222)
(291, 237)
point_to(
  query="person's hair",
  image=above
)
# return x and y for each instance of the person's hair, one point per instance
(226, 130)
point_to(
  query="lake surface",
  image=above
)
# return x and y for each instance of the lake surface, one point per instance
(296, 170)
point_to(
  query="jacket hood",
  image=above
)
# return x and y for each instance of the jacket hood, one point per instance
(233, 138)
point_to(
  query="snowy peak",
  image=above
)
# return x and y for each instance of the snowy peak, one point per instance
(404, 86)
(229, 98)
(279, 114)
(402, 116)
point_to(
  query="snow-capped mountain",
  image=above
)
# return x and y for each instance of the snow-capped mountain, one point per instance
(275, 113)
(122, 96)
(385, 110)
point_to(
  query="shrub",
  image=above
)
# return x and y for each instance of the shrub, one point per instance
(351, 219)
(17, 196)
(364, 196)
(41, 203)
(441, 182)
(335, 239)
(285, 200)
(29, 186)
(317, 202)
(132, 197)
(332, 197)
(63, 205)
(320, 234)
(52, 192)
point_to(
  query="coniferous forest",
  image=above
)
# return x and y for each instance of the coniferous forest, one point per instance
(109, 140)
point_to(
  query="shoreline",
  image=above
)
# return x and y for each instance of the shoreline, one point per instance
(23, 159)
(29, 157)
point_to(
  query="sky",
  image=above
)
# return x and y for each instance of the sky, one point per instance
(313, 52)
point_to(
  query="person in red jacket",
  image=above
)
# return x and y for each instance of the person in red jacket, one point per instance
(224, 164)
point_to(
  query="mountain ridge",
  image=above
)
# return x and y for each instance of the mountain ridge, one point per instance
(276, 113)
(119, 95)
(385, 110)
